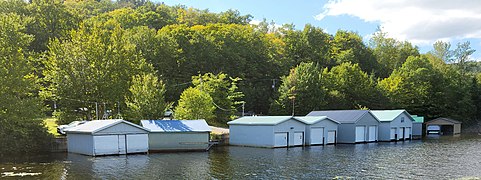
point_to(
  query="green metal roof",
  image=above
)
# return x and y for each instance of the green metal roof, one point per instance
(388, 115)
(259, 120)
(419, 119)
(313, 119)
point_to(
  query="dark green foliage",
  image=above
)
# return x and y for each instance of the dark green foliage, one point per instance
(304, 89)
(20, 107)
(146, 98)
(195, 104)
(309, 45)
(79, 53)
(349, 47)
(351, 88)
(95, 66)
(223, 90)
(390, 53)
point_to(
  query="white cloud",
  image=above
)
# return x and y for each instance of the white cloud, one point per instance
(257, 22)
(419, 21)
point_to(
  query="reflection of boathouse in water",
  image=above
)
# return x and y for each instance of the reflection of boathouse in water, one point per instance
(443, 126)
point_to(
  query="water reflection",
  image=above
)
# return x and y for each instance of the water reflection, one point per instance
(431, 158)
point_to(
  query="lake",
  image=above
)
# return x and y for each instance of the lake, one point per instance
(443, 157)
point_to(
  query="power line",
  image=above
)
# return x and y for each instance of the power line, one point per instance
(219, 107)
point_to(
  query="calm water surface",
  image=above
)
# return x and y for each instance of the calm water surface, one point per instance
(430, 158)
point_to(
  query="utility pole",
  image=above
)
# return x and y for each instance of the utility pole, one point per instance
(243, 106)
(96, 111)
(293, 105)
(201, 84)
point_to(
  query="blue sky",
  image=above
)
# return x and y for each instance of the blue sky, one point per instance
(422, 22)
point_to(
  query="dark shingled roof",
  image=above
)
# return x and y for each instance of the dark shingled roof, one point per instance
(444, 119)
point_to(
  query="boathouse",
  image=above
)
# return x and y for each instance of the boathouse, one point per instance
(320, 130)
(417, 126)
(395, 124)
(356, 126)
(443, 126)
(177, 135)
(267, 131)
(107, 137)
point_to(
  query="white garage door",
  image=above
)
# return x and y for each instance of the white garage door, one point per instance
(331, 137)
(360, 134)
(298, 138)
(372, 133)
(137, 143)
(317, 136)
(280, 139)
(407, 133)
(122, 144)
(393, 133)
(400, 133)
(104, 145)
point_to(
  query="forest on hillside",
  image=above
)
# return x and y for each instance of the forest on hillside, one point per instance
(134, 59)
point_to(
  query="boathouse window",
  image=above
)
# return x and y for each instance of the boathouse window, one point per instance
(402, 119)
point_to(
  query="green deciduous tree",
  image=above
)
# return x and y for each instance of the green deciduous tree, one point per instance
(349, 47)
(146, 99)
(96, 65)
(224, 93)
(304, 88)
(237, 50)
(417, 87)
(390, 53)
(50, 20)
(350, 87)
(20, 107)
(309, 45)
(195, 104)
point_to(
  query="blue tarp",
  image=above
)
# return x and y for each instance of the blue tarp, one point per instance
(176, 125)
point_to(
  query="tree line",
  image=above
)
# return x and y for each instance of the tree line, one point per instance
(136, 59)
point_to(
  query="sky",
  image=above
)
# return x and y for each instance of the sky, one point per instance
(421, 22)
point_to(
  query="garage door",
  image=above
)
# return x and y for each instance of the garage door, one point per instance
(298, 138)
(104, 145)
(331, 137)
(137, 143)
(372, 133)
(407, 133)
(400, 133)
(122, 144)
(360, 134)
(393, 133)
(280, 139)
(317, 136)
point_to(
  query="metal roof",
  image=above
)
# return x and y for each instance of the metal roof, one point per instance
(259, 120)
(418, 119)
(98, 125)
(176, 125)
(342, 116)
(314, 119)
(389, 115)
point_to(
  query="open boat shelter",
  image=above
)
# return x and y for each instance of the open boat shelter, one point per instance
(395, 124)
(443, 126)
(107, 137)
(320, 130)
(177, 135)
(267, 131)
(356, 126)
